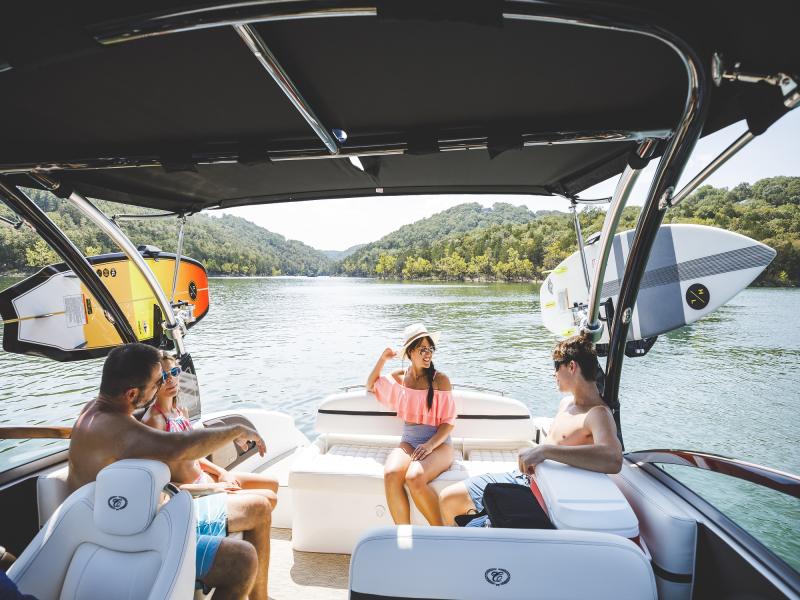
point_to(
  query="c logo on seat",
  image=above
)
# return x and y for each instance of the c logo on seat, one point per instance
(497, 576)
(118, 502)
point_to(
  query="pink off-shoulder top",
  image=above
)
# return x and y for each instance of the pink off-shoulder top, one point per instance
(412, 405)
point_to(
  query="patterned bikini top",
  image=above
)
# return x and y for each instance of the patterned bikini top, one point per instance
(179, 423)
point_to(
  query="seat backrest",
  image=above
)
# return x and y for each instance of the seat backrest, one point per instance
(51, 491)
(481, 415)
(668, 531)
(506, 564)
(111, 539)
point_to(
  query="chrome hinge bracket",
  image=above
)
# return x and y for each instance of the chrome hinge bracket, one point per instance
(787, 83)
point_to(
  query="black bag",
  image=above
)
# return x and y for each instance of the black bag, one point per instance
(513, 505)
(462, 520)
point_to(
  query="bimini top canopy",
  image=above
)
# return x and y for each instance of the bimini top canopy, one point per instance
(201, 105)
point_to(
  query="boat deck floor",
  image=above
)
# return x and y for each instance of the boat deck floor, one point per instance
(305, 575)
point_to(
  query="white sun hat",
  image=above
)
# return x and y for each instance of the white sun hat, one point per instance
(413, 333)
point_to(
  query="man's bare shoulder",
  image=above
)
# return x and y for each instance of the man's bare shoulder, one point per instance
(564, 404)
(600, 413)
(102, 424)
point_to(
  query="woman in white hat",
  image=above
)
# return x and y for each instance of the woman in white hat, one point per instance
(422, 397)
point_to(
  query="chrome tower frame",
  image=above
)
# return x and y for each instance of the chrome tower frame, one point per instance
(243, 15)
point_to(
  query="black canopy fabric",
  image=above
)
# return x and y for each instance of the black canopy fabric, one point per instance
(414, 73)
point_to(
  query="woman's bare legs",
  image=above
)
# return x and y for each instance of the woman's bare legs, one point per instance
(394, 480)
(420, 473)
(256, 481)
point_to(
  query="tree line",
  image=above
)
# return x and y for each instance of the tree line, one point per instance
(466, 242)
(226, 245)
(767, 211)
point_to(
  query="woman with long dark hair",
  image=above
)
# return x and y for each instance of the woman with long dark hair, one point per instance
(198, 476)
(422, 397)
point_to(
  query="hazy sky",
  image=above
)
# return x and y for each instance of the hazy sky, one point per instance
(341, 223)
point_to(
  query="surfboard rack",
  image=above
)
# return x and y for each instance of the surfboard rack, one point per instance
(148, 250)
(633, 348)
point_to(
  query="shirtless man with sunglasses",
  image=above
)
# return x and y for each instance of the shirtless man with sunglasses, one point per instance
(106, 431)
(583, 433)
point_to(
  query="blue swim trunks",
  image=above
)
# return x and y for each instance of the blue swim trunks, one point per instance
(212, 525)
(477, 485)
(207, 546)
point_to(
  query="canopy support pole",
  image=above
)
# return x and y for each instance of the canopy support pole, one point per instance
(257, 46)
(26, 209)
(173, 325)
(579, 235)
(182, 220)
(669, 170)
(715, 164)
(621, 194)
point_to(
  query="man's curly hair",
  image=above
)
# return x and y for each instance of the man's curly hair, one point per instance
(580, 349)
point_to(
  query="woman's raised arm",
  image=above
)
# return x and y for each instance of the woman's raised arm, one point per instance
(376, 370)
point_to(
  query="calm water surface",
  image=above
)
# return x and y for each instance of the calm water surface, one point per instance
(727, 384)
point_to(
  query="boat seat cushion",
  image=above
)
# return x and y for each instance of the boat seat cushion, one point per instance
(369, 460)
(505, 564)
(488, 460)
(668, 531)
(481, 415)
(90, 548)
(338, 489)
(51, 491)
(127, 497)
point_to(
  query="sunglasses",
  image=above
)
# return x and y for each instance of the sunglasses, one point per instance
(424, 350)
(557, 364)
(173, 372)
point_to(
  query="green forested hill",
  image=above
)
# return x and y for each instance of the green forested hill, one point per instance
(403, 243)
(767, 211)
(342, 254)
(465, 242)
(226, 244)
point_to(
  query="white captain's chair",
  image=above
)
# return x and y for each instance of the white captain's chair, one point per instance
(110, 539)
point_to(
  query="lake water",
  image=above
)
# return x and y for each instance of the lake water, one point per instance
(727, 384)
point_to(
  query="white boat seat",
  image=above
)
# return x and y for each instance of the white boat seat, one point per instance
(51, 491)
(111, 539)
(480, 415)
(337, 482)
(669, 533)
(454, 563)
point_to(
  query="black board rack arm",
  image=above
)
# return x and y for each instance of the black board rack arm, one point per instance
(49, 231)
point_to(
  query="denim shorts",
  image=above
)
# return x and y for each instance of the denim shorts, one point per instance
(417, 433)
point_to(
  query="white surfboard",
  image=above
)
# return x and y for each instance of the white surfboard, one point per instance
(692, 270)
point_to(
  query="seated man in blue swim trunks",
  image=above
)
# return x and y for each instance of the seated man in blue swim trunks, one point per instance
(106, 431)
(583, 433)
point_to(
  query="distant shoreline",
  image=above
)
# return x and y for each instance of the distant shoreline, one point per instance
(483, 280)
